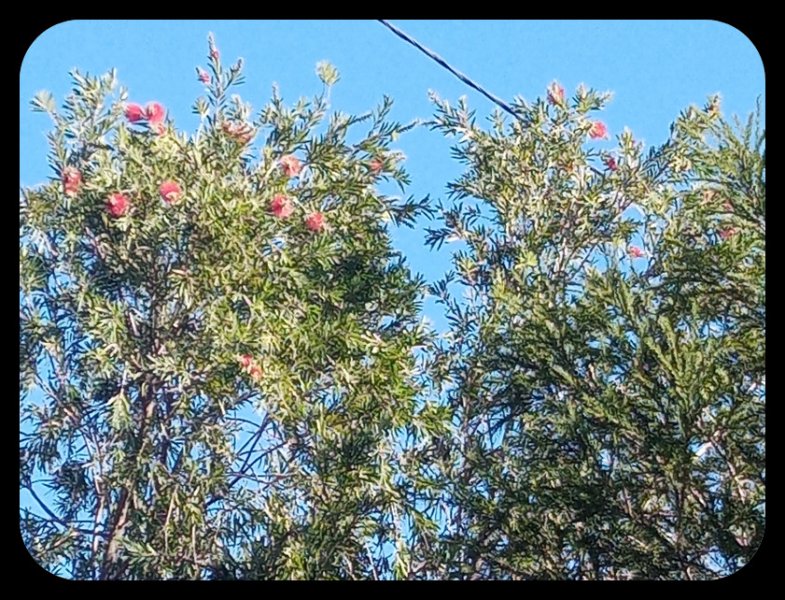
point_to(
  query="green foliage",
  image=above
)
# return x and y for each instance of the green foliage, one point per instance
(224, 374)
(608, 409)
(166, 454)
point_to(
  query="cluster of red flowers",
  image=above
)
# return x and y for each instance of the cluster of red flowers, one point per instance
(556, 97)
(154, 113)
(610, 162)
(242, 132)
(250, 366)
(282, 207)
(118, 203)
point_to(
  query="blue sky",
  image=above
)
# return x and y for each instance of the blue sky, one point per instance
(654, 68)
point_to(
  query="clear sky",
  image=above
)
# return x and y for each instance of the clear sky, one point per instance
(654, 68)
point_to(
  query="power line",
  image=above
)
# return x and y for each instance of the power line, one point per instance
(431, 54)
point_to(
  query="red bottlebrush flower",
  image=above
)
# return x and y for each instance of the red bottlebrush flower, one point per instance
(117, 204)
(727, 233)
(241, 132)
(281, 206)
(610, 162)
(72, 179)
(134, 113)
(244, 134)
(555, 94)
(255, 371)
(598, 130)
(250, 366)
(376, 166)
(155, 112)
(315, 221)
(170, 191)
(291, 165)
(636, 252)
(203, 76)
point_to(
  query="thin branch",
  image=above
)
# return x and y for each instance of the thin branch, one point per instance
(54, 517)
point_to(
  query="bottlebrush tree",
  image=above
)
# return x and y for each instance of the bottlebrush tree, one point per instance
(605, 367)
(217, 339)
(217, 362)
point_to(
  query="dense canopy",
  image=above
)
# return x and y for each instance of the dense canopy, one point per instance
(225, 373)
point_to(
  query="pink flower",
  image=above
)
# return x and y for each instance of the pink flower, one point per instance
(203, 76)
(242, 132)
(134, 112)
(610, 162)
(728, 232)
(250, 366)
(154, 112)
(72, 179)
(170, 191)
(636, 252)
(598, 130)
(376, 166)
(214, 54)
(281, 206)
(255, 371)
(555, 93)
(117, 204)
(291, 165)
(315, 221)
